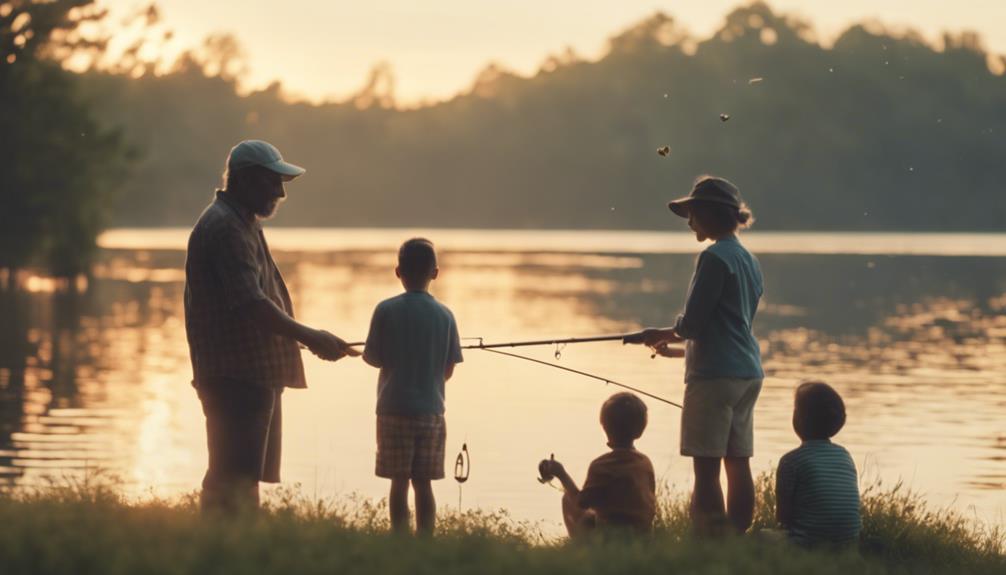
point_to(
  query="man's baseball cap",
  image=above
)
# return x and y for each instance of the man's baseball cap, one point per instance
(708, 189)
(261, 153)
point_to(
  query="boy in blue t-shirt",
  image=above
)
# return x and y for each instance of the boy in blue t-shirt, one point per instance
(817, 487)
(414, 341)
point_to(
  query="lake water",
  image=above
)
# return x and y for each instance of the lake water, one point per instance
(910, 328)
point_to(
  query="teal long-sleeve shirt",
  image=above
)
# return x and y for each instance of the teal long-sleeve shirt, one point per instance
(719, 313)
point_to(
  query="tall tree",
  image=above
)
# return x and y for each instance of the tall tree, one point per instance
(60, 165)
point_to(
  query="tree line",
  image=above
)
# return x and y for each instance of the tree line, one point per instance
(877, 131)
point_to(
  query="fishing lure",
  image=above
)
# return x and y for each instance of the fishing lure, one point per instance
(463, 464)
(462, 469)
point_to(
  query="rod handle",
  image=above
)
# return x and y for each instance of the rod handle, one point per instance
(633, 338)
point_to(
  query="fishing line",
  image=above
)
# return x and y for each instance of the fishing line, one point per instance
(578, 372)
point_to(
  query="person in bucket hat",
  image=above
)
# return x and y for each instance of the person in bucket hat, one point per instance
(713, 190)
(723, 372)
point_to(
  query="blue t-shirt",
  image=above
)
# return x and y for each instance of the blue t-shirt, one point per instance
(819, 479)
(413, 339)
(719, 313)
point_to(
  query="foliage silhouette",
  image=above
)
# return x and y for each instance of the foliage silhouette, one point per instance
(61, 165)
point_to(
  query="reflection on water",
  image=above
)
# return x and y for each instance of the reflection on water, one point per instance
(916, 344)
(77, 373)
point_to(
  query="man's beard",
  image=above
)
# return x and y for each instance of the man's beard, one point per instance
(267, 210)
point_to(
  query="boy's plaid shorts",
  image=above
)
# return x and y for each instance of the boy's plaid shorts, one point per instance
(411, 446)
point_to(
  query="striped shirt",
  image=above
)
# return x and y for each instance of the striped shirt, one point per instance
(820, 483)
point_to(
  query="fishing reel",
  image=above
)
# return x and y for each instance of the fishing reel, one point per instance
(545, 475)
(545, 470)
(665, 350)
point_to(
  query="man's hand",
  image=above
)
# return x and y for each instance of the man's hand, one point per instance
(330, 347)
(349, 350)
(326, 346)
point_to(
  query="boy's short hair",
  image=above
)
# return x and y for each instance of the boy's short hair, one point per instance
(623, 417)
(819, 412)
(417, 259)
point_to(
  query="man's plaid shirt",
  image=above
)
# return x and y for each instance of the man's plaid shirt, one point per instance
(228, 266)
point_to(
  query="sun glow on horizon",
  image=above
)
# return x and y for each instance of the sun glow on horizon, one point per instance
(321, 51)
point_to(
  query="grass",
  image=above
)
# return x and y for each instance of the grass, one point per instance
(85, 528)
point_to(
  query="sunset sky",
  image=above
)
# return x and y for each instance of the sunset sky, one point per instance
(324, 49)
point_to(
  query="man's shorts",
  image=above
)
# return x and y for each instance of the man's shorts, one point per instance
(411, 446)
(243, 432)
(718, 417)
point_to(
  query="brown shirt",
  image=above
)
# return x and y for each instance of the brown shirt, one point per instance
(621, 489)
(228, 265)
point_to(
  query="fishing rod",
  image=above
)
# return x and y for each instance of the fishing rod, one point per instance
(635, 337)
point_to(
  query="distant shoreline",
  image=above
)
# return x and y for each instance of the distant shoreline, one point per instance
(314, 239)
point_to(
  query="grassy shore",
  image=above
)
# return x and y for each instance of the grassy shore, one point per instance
(85, 529)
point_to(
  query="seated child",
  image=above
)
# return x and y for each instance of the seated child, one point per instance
(414, 340)
(620, 489)
(817, 487)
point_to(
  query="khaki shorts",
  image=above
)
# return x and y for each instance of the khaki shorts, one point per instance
(411, 446)
(718, 417)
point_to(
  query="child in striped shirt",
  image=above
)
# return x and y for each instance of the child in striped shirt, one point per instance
(817, 487)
